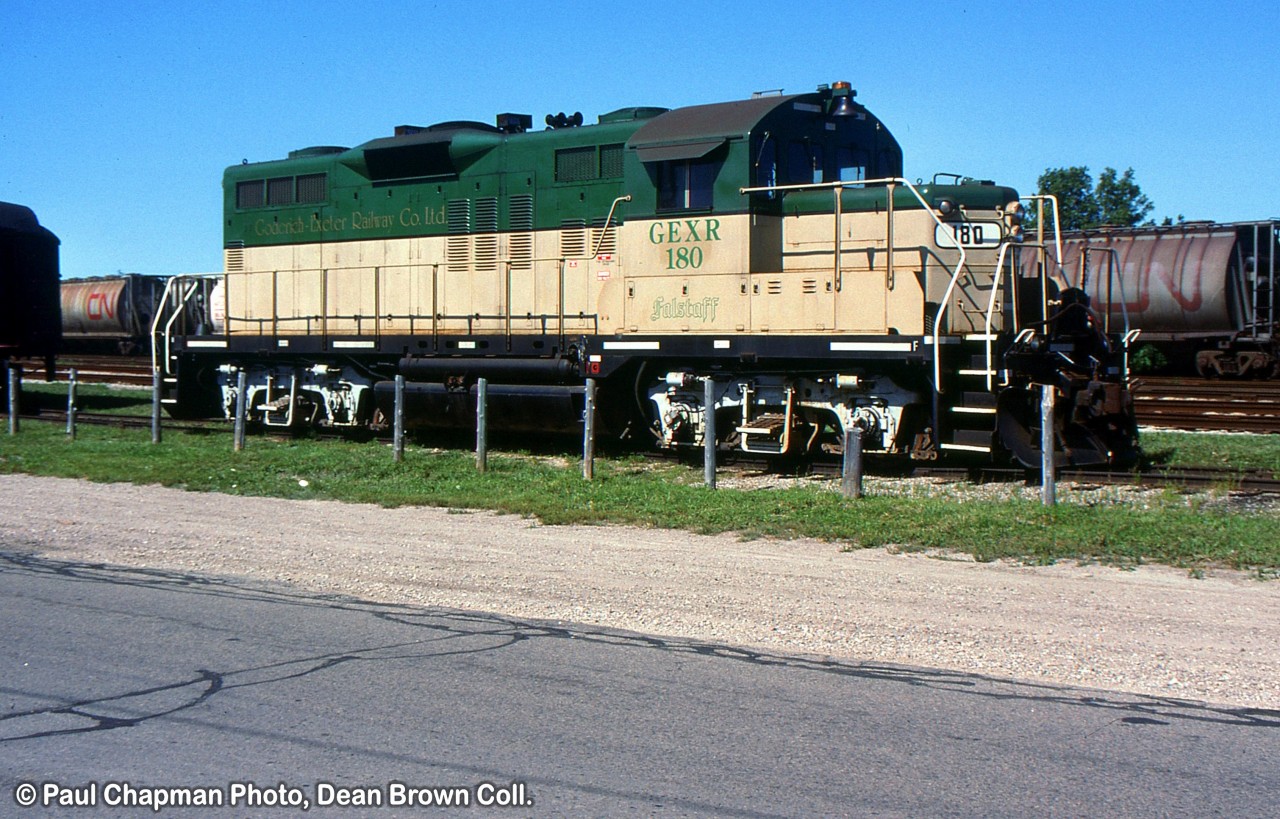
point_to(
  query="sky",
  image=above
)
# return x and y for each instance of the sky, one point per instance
(118, 118)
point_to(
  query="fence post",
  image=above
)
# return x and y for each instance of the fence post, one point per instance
(71, 403)
(482, 424)
(589, 430)
(241, 405)
(709, 432)
(156, 395)
(1048, 486)
(15, 396)
(397, 434)
(851, 468)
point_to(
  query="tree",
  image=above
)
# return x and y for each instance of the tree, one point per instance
(1115, 200)
(1120, 200)
(1077, 206)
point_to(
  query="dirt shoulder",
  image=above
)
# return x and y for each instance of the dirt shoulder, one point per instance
(1152, 631)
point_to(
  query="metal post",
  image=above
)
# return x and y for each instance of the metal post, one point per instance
(241, 401)
(482, 424)
(589, 430)
(156, 395)
(15, 396)
(709, 433)
(1048, 491)
(851, 471)
(397, 434)
(71, 403)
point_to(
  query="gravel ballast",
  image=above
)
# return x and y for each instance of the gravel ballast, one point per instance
(1154, 631)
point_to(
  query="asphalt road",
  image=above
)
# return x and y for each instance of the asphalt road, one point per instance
(126, 685)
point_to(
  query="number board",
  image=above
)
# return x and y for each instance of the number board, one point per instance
(968, 234)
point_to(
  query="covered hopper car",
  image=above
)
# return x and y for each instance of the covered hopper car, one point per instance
(110, 314)
(767, 246)
(1202, 292)
(29, 313)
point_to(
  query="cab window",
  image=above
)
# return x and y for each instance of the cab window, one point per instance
(686, 184)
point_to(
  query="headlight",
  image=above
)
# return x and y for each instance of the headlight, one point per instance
(1014, 213)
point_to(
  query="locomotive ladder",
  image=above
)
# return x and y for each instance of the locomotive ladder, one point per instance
(969, 424)
(967, 371)
(1263, 292)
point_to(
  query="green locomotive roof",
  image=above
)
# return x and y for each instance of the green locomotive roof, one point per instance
(570, 175)
(691, 133)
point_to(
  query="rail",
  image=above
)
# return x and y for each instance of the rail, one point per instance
(890, 184)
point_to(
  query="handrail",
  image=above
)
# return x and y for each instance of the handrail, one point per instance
(192, 285)
(991, 309)
(1113, 275)
(605, 231)
(155, 325)
(380, 270)
(890, 181)
(1057, 241)
(1057, 222)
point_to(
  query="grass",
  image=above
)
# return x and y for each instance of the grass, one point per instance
(1227, 451)
(103, 398)
(1166, 527)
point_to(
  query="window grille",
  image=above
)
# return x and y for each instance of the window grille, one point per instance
(611, 161)
(576, 164)
(313, 188)
(250, 194)
(280, 191)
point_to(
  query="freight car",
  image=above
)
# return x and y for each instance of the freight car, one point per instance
(110, 314)
(1203, 293)
(29, 313)
(768, 246)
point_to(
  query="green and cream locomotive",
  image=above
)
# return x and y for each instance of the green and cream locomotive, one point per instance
(768, 245)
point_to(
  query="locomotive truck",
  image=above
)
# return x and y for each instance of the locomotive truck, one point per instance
(769, 246)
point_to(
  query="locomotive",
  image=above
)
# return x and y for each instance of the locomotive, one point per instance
(768, 247)
(30, 319)
(1203, 293)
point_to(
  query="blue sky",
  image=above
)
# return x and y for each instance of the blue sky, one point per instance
(118, 118)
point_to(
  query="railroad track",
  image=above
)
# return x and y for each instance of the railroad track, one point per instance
(1198, 404)
(1195, 477)
(94, 369)
(1166, 403)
